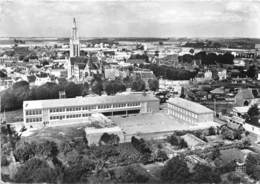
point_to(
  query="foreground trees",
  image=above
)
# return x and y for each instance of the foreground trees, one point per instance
(175, 170)
(35, 171)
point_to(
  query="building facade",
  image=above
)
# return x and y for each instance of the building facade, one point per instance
(44, 112)
(188, 111)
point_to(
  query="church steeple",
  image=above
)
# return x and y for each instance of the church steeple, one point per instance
(74, 41)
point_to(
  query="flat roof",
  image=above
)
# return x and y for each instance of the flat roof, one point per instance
(89, 100)
(189, 105)
(92, 130)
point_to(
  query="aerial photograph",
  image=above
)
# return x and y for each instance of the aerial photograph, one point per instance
(130, 91)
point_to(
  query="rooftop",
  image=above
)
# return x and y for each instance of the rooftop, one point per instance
(92, 130)
(90, 100)
(189, 105)
(192, 140)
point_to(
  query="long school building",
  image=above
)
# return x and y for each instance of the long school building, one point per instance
(188, 111)
(42, 112)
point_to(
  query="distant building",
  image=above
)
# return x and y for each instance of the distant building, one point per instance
(74, 41)
(243, 97)
(222, 74)
(145, 75)
(43, 112)
(189, 111)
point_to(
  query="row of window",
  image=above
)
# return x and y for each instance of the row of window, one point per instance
(183, 111)
(33, 112)
(105, 106)
(57, 110)
(73, 108)
(182, 117)
(90, 107)
(29, 120)
(73, 116)
(57, 117)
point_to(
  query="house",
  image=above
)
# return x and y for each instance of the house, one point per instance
(193, 141)
(243, 97)
(193, 160)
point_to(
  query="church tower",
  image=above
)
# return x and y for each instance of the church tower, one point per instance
(74, 41)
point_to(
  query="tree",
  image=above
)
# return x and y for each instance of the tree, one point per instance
(114, 86)
(253, 115)
(212, 131)
(252, 72)
(205, 174)
(251, 162)
(138, 85)
(97, 87)
(216, 153)
(24, 152)
(153, 84)
(161, 155)
(175, 170)
(35, 171)
(132, 175)
(256, 173)
(78, 170)
(72, 90)
(227, 133)
(47, 149)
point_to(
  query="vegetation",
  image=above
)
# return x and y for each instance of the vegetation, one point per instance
(114, 86)
(132, 174)
(253, 115)
(153, 84)
(35, 171)
(205, 174)
(253, 165)
(138, 85)
(176, 171)
(171, 73)
(177, 141)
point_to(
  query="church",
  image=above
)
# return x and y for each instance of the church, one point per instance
(81, 68)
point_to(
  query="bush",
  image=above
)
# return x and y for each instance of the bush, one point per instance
(35, 171)
(4, 161)
(176, 171)
(132, 175)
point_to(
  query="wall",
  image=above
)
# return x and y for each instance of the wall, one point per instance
(252, 128)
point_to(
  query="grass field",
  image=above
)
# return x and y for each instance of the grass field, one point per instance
(57, 134)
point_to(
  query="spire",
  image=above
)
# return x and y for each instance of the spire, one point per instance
(74, 30)
(74, 23)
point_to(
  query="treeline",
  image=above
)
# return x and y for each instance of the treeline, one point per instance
(13, 97)
(208, 58)
(171, 73)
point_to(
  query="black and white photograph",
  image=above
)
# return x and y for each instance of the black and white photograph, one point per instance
(130, 91)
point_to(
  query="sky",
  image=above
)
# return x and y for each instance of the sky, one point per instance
(125, 18)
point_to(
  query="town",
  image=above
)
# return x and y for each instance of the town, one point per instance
(129, 110)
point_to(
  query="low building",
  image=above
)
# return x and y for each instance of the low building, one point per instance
(55, 111)
(94, 135)
(188, 111)
(193, 141)
(193, 160)
(243, 97)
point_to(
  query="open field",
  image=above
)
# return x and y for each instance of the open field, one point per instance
(57, 134)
